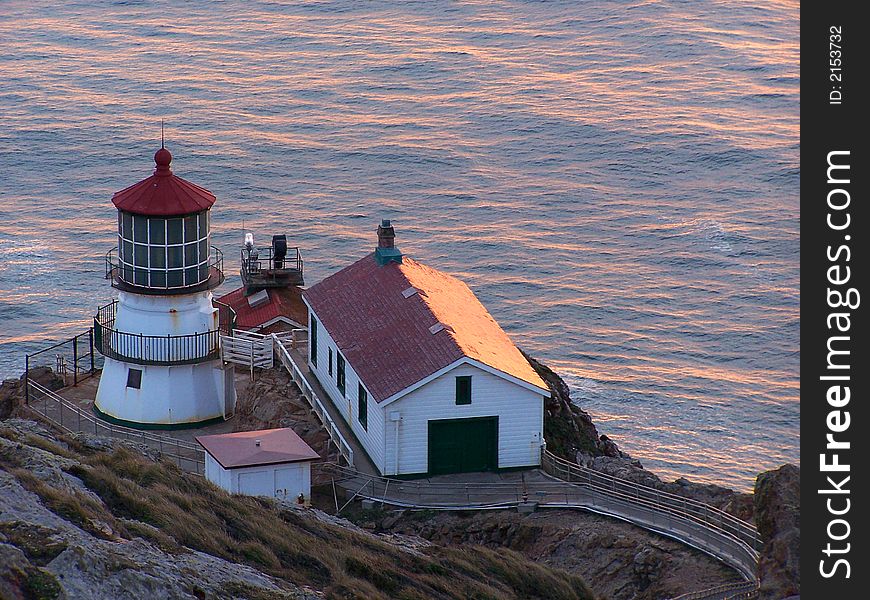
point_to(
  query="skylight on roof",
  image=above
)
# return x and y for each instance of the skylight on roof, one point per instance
(409, 292)
(436, 328)
(255, 300)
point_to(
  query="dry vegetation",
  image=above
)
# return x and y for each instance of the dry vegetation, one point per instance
(175, 510)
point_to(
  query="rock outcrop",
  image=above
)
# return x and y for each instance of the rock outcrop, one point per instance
(568, 429)
(47, 553)
(777, 510)
(625, 562)
(273, 400)
(11, 398)
(97, 520)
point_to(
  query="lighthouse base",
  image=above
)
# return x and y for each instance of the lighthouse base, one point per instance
(167, 396)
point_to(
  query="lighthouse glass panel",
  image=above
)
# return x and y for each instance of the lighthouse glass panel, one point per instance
(163, 253)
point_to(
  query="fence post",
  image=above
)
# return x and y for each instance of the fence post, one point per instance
(75, 342)
(27, 379)
(91, 344)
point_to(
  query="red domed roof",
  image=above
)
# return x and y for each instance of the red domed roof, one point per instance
(163, 194)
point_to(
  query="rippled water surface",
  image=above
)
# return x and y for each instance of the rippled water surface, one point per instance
(618, 181)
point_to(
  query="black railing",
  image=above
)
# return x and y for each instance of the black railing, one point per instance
(71, 360)
(143, 349)
(123, 277)
(265, 270)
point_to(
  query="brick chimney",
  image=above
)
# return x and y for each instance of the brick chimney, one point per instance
(386, 252)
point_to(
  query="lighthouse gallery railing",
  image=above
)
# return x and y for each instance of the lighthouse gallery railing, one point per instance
(159, 349)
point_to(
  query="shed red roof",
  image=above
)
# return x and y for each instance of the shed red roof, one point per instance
(234, 450)
(382, 319)
(283, 302)
(164, 194)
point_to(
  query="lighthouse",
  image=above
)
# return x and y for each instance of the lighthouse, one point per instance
(161, 338)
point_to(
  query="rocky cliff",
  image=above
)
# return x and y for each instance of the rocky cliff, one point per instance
(619, 560)
(92, 519)
(777, 510)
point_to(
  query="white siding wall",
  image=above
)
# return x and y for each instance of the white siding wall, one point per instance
(373, 439)
(215, 473)
(520, 419)
(286, 480)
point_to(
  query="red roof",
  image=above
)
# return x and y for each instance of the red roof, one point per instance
(283, 302)
(163, 194)
(382, 319)
(234, 450)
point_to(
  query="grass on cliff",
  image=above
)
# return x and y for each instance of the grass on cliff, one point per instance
(191, 512)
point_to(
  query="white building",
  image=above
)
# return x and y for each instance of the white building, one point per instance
(161, 338)
(269, 462)
(424, 376)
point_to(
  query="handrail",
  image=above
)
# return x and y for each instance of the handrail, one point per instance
(695, 510)
(263, 268)
(739, 591)
(344, 449)
(187, 455)
(122, 274)
(157, 349)
(226, 317)
(597, 493)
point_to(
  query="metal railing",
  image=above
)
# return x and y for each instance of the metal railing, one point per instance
(426, 494)
(665, 502)
(706, 527)
(70, 418)
(730, 591)
(72, 360)
(695, 523)
(263, 270)
(143, 349)
(344, 449)
(123, 275)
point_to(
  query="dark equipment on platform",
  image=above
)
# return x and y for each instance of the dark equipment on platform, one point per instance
(277, 266)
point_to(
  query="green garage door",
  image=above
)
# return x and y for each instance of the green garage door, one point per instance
(463, 445)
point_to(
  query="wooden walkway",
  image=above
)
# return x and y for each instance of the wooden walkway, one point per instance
(537, 489)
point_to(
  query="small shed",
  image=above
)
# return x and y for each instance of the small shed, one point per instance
(266, 462)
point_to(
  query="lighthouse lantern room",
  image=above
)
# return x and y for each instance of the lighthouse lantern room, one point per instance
(161, 338)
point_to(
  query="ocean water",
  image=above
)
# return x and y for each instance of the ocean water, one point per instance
(618, 181)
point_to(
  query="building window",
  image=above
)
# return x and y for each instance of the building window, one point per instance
(339, 375)
(163, 253)
(134, 378)
(313, 348)
(329, 365)
(362, 406)
(463, 389)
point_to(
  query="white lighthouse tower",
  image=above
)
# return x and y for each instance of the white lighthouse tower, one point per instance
(161, 338)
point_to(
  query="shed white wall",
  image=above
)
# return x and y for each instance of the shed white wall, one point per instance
(286, 480)
(215, 473)
(373, 439)
(520, 415)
